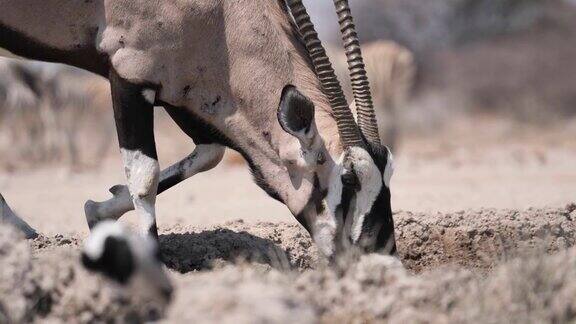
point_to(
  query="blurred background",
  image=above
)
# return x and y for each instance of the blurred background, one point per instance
(474, 96)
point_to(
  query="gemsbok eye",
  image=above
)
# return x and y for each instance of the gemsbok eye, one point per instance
(320, 159)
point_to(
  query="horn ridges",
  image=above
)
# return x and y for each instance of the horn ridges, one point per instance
(347, 127)
(360, 84)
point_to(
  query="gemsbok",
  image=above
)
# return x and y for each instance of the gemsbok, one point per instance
(250, 75)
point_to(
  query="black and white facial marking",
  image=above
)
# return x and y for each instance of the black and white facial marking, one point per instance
(366, 198)
(361, 174)
(126, 258)
(349, 203)
(358, 200)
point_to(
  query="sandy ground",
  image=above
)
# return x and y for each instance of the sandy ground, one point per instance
(485, 229)
(514, 177)
(477, 266)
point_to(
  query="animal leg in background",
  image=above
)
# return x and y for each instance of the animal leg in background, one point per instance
(203, 158)
(134, 115)
(8, 216)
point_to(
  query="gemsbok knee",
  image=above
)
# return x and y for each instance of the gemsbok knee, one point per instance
(250, 75)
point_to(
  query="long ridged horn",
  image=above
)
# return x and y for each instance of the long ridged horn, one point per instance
(347, 128)
(360, 85)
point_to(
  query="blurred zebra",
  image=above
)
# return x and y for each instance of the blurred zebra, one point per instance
(391, 70)
(43, 108)
(20, 97)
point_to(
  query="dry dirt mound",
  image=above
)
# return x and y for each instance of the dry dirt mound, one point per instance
(42, 280)
(280, 280)
(479, 239)
(240, 294)
(537, 290)
(377, 289)
(472, 239)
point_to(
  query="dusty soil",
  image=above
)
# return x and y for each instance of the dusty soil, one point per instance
(485, 265)
(478, 239)
(486, 233)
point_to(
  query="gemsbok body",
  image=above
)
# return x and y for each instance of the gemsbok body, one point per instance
(250, 75)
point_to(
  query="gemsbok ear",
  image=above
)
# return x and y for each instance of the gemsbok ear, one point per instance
(296, 115)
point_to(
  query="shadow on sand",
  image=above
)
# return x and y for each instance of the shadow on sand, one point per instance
(186, 252)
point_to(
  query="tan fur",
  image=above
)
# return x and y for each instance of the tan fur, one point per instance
(241, 51)
(70, 22)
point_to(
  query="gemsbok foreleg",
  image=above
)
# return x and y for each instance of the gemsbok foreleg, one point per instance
(134, 115)
(203, 158)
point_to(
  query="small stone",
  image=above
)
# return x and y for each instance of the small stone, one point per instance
(64, 241)
(561, 243)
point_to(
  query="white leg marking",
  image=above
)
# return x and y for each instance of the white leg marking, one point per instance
(204, 158)
(142, 174)
(149, 95)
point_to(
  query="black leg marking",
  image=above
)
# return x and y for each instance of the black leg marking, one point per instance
(170, 182)
(134, 116)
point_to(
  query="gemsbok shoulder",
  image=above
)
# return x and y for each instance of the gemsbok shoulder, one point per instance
(250, 75)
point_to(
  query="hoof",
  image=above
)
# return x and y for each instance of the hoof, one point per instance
(119, 190)
(91, 212)
(8, 216)
(111, 209)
